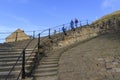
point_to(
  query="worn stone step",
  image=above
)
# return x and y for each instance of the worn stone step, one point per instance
(46, 69)
(6, 50)
(47, 65)
(45, 74)
(56, 56)
(47, 59)
(14, 55)
(10, 78)
(8, 68)
(49, 62)
(13, 59)
(5, 73)
(9, 52)
(50, 58)
(13, 52)
(12, 63)
(47, 78)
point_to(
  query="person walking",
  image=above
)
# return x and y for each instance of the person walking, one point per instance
(76, 22)
(72, 25)
(64, 30)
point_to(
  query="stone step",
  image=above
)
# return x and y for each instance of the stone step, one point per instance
(6, 50)
(53, 56)
(50, 59)
(9, 52)
(10, 78)
(49, 62)
(5, 73)
(14, 49)
(13, 59)
(14, 55)
(47, 65)
(13, 52)
(8, 68)
(45, 74)
(46, 69)
(12, 63)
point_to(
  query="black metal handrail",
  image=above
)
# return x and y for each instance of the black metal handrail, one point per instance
(26, 61)
(16, 62)
(23, 52)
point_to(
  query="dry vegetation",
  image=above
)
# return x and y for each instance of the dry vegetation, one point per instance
(107, 17)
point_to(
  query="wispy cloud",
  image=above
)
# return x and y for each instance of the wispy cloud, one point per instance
(110, 4)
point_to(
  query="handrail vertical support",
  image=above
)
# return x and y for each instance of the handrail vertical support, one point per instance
(33, 34)
(38, 42)
(49, 32)
(23, 65)
(87, 23)
(16, 36)
(80, 24)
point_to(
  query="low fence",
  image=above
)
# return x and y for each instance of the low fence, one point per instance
(33, 34)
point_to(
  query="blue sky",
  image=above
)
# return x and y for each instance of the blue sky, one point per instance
(41, 14)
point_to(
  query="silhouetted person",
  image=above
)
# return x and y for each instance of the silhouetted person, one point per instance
(76, 22)
(64, 30)
(72, 25)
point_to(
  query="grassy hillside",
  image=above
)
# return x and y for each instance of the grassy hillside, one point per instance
(107, 17)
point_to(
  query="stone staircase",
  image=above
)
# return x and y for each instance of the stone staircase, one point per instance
(11, 59)
(47, 68)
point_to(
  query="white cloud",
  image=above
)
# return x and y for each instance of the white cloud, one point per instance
(110, 4)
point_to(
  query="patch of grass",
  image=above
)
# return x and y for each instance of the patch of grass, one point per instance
(107, 17)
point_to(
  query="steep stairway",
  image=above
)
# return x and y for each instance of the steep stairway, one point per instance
(8, 59)
(47, 68)
(11, 59)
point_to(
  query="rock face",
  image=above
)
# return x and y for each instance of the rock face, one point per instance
(18, 35)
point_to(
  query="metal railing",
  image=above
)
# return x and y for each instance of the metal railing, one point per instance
(20, 56)
(42, 36)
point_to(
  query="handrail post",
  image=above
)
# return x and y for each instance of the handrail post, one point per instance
(59, 30)
(49, 32)
(16, 36)
(23, 65)
(87, 23)
(33, 34)
(38, 42)
(80, 24)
